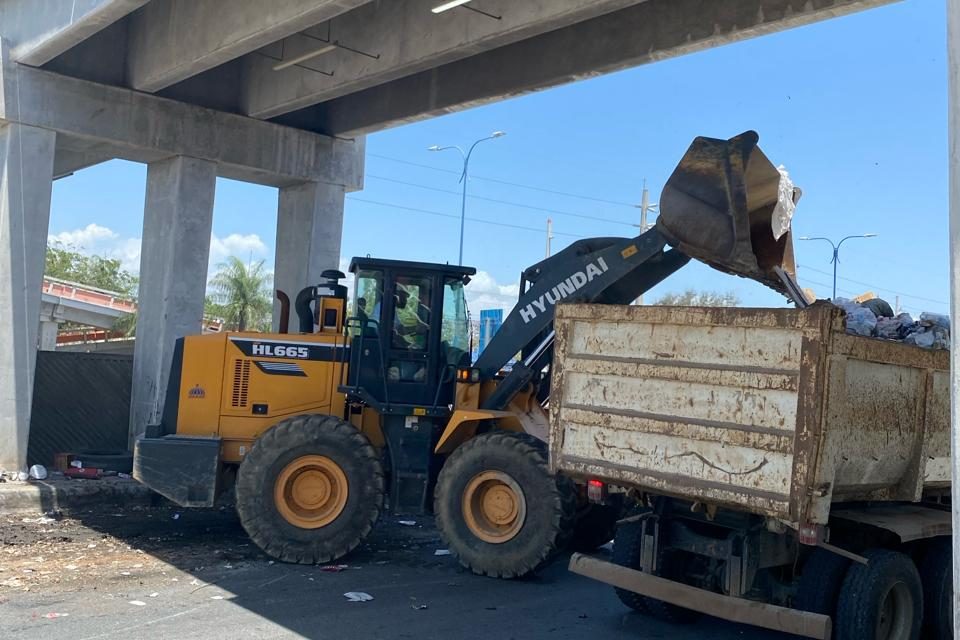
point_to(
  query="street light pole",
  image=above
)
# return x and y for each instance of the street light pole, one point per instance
(836, 253)
(463, 178)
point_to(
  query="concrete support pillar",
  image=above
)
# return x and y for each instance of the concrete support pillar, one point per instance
(26, 178)
(309, 230)
(174, 256)
(48, 334)
(953, 120)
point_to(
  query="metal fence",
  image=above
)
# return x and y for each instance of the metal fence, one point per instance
(80, 401)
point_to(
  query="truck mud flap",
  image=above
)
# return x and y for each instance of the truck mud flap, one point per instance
(184, 470)
(801, 623)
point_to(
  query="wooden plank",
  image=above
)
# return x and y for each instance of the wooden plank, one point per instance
(760, 614)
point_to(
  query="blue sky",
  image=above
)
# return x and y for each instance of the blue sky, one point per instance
(855, 108)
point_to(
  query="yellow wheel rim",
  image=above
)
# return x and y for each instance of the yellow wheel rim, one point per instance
(494, 507)
(311, 492)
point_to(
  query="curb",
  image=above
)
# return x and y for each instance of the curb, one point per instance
(63, 495)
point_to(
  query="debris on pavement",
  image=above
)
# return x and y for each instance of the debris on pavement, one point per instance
(54, 615)
(407, 523)
(38, 472)
(216, 597)
(442, 552)
(419, 607)
(334, 568)
(138, 603)
(357, 596)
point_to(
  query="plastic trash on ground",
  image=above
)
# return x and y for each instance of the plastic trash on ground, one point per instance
(357, 596)
(38, 472)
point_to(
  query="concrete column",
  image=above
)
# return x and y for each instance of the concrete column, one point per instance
(174, 256)
(26, 178)
(309, 230)
(953, 120)
(48, 334)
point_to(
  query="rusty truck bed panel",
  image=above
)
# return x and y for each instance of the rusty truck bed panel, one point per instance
(776, 411)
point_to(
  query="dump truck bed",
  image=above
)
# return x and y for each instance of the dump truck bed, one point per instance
(777, 412)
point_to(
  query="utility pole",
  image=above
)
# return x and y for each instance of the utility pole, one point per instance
(645, 208)
(549, 234)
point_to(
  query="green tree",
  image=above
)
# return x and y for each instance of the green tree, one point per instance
(66, 263)
(693, 298)
(241, 292)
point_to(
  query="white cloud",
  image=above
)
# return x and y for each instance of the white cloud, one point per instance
(128, 253)
(242, 246)
(95, 239)
(484, 292)
(86, 239)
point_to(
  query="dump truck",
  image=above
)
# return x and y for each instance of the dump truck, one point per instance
(776, 470)
(377, 401)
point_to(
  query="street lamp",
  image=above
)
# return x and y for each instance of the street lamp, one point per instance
(836, 253)
(463, 178)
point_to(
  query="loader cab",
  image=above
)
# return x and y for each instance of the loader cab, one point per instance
(409, 330)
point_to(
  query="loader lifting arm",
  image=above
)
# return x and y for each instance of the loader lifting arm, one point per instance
(725, 204)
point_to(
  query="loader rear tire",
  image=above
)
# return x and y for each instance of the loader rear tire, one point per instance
(498, 509)
(310, 489)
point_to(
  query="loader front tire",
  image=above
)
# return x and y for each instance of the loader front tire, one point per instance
(310, 489)
(498, 509)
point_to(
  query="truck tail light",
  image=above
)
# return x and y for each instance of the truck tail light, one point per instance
(811, 534)
(596, 491)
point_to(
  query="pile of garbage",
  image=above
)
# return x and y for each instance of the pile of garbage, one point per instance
(876, 318)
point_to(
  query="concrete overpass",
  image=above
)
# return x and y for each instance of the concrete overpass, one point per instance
(278, 93)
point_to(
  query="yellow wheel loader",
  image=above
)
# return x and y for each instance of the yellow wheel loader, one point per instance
(381, 405)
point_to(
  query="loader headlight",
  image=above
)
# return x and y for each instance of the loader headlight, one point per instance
(468, 374)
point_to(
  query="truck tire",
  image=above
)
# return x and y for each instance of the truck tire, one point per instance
(626, 553)
(595, 526)
(498, 509)
(820, 582)
(936, 575)
(310, 489)
(881, 599)
(670, 567)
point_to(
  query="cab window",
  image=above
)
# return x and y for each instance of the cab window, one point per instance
(368, 300)
(456, 322)
(411, 318)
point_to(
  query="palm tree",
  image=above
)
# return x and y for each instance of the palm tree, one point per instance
(243, 293)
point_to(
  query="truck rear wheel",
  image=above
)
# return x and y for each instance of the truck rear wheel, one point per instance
(626, 553)
(671, 567)
(882, 599)
(936, 574)
(595, 526)
(310, 489)
(498, 508)
(820, 582)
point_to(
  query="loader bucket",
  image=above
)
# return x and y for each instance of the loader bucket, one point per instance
(720, 206)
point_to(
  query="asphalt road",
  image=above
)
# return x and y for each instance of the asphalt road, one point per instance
(195, 575)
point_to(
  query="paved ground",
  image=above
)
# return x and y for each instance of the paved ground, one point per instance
(164, 573)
